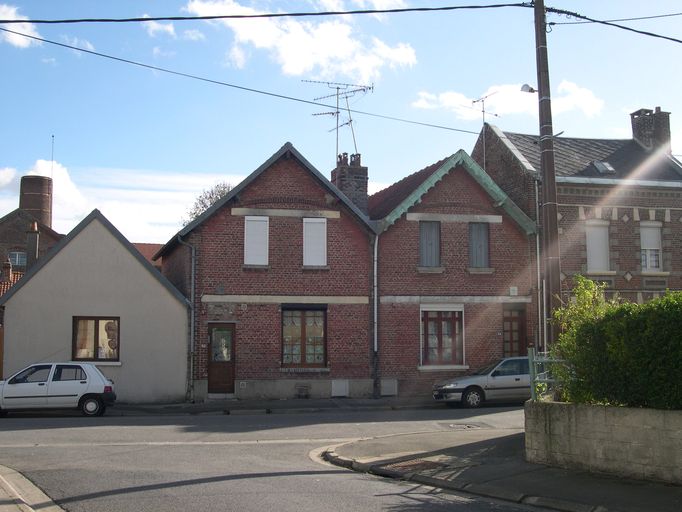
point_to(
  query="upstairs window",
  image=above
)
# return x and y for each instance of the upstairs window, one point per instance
(429, 244)
(256, 231)
(479, 252)
(314, 242)
(597, 242)
(17, 258)
(650, 240)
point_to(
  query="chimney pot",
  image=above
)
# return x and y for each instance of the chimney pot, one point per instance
(32, 245)
(7, 272)
(351, 179)
(651, 128)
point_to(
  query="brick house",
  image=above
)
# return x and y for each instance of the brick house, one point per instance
(284, 271)
(455, 282)
(620, 202)
(278, 272)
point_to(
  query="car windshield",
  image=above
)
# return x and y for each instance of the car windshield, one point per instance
(486, 369)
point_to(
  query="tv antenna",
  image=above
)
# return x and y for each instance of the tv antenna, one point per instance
(343, 91)
(481, 100)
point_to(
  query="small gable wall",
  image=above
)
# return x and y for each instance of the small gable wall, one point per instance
(95, 275)
(479, 295)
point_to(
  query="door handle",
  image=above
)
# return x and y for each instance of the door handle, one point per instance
(517, 379)
(84, 382)
(41, 383)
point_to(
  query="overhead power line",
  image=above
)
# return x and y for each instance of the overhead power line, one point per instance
(270, 15)
(234, 86)
(618, 19)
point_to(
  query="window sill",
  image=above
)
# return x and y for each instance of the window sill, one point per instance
(655, 273)
(601, 273)
(303, 370)
(314, 267)
(430, 270)
(103, 363)
(480, 270)
(255, 267)
(442, 367)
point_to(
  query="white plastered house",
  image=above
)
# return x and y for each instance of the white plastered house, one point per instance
(93, 297)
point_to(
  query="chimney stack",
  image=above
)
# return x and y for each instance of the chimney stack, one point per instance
(7, 272)
(651, 128)
(35, 197)
(32, 242)
(351, 179)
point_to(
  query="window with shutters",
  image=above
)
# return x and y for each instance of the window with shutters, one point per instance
(650, 240)
(479, 253)
(256, 231)
(314, 242)
(597, 243)
(429, 244)
(442, 338)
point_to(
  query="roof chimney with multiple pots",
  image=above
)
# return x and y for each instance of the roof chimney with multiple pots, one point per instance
(35, 197)
(651, 128)
(351, 179)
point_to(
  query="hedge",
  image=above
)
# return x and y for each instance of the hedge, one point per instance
(620, 353)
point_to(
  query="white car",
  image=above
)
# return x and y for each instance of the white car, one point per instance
(504, 381)
(57, 386)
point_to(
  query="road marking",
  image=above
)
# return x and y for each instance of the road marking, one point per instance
(335, 440)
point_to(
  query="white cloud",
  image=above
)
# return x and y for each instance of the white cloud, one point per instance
(50, 61)
(193, 35)
(7, 175)
(159, 53)
(237, 57)
(155, 28)
(327, 48)
(78, 43)
(507, 99)
(9, 12)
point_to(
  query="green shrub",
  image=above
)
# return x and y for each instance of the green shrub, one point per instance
(620, 354)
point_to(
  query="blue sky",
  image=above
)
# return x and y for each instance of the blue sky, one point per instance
(140, 144)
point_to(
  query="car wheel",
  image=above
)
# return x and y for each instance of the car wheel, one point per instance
(473, 398)
(92, 406)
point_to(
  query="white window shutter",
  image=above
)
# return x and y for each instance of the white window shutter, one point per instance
(597, 239)
(256, 231)
(650, 237)
(315, 242)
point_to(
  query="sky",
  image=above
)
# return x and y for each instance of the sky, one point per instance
(140, 144)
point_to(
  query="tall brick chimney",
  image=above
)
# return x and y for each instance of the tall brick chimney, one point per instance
(35, 197)
(651, 128)
(351, 179)
(32, 243)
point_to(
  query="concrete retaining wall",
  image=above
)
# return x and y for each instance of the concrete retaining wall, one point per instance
(636, 443)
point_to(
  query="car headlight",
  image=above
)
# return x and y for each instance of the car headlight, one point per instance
(451, 385)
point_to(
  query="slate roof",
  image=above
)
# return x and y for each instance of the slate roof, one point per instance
(576, 157)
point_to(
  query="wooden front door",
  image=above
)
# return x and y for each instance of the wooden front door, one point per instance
(221, 358)
(514, 333)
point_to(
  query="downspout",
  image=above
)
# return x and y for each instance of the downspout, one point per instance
(540, 287)
(190, 374)
(375, 292)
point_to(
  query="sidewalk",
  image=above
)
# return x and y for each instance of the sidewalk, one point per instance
(18, 494)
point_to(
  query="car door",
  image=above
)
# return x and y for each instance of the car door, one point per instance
(510, 381)
(68, 383)
(28, 388)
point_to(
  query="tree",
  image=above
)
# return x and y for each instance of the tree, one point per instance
(206, 199)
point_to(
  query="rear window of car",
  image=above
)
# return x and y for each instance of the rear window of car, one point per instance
(69, 372)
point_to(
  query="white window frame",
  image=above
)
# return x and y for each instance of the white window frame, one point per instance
(441, 307)
(314, 250)
(17, 258)
(650, 244)
(256, 242)
(597, 246)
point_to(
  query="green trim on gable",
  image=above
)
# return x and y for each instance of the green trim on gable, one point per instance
(500, 199)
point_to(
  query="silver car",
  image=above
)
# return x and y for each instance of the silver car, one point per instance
(505, 380)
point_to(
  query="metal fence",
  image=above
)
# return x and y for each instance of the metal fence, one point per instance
(542, 383)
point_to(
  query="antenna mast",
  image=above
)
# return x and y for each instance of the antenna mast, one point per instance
(344, 91)
(481, 100)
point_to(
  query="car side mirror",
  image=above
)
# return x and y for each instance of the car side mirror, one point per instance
(495, 373)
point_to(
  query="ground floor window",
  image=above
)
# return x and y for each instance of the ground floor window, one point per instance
(304, 337)
(96, 338)
(442, 338)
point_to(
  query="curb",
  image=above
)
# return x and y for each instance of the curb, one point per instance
(485, 489)
(24, 494)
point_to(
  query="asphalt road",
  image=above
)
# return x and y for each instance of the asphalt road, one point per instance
(222, 463)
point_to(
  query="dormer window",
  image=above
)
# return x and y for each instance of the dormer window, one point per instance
(603, 167)
(17, 258)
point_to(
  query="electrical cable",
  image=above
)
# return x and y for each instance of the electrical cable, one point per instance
(619, 19)
(234, 86)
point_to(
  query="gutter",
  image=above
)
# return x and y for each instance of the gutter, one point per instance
(375, 314)
(190, 373)
(620, 183)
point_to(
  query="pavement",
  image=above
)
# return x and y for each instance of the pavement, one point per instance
(469, 458)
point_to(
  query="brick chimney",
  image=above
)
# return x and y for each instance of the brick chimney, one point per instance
(351, 179)
(35, 197)
(651, 128)
(7, 272)
(32, 241)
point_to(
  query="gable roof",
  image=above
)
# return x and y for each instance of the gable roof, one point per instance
(285, 150)
(94, 215)
(574, 157)
(391, 203)
(24, 215)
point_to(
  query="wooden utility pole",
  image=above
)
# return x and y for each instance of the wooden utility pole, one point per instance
(550, 228)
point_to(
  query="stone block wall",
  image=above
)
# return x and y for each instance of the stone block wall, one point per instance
(645, 444)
